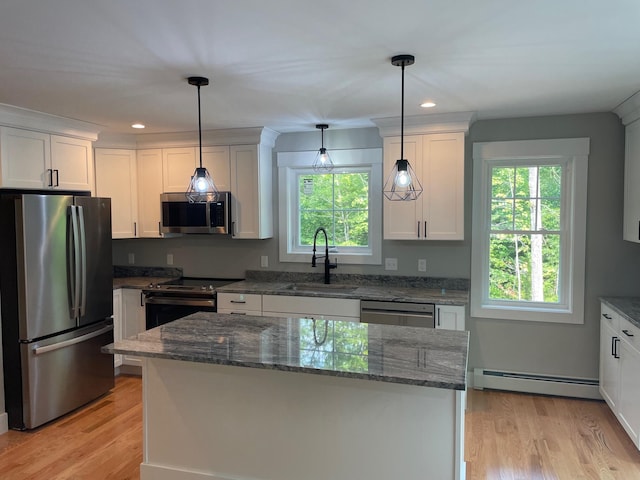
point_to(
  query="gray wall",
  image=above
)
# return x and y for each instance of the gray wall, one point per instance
(523, 346)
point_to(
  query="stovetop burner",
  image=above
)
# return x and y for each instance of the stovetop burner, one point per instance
(190, 285)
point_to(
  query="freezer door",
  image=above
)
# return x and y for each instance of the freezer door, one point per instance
(95, 280)
(63, 373)
(42, 236)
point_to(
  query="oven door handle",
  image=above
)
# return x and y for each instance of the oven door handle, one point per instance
(189, 302)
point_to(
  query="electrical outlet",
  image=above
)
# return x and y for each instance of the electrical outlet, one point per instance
(422, 264)
(391, 264)
(169, 258)
(132, 259)
(264, 261)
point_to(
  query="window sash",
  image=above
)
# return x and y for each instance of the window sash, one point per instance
(572, 156)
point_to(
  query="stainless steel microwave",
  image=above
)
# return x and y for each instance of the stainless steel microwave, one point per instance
(181, 216)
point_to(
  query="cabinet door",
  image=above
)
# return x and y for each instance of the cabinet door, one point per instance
(178, 165)
(117, 323)
(443, 182)
(403, 220)
(116, 178)
(628, 406)
(609, 363)
(149, 190)
(25, 159)
(72, 163)
(631, 227)
(133, 319)
(216, 161)
(251, 206)
(450, 317)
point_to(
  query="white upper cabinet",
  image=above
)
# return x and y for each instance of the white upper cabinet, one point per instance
(434, 146)
(629, 113)
(631, 216)
(116, 178)
(72, 161)
(149, 173)
(438, 214)
(178, 165)
(251, 191)
(216, 161)
(38, 160)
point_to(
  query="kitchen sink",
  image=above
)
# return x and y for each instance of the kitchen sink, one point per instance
(320, 288)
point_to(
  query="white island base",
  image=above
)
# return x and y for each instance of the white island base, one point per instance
(217, 422)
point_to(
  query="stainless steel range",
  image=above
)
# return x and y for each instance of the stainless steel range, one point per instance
(167, 302)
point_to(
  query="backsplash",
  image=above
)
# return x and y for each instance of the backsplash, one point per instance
(357, 279)
(140, 271)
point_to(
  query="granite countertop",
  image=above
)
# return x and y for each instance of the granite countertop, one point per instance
(415, 356)
(628, 307)
(138, 282)
(441, 296)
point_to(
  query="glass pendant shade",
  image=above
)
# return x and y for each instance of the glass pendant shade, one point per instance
(323, 162)
(201, 188)
(402, 183)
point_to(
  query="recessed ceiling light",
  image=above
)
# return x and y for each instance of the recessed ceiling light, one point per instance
(428, 104)
(137, 125)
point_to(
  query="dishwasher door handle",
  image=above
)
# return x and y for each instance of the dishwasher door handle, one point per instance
(396, 313)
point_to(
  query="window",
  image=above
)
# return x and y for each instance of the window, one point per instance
(347, 202)
(529, 224)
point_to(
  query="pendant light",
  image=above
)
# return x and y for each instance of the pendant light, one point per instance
(323, 162)
(201, 187)
(402, 183)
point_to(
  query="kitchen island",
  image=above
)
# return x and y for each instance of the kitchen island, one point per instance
(250, 398)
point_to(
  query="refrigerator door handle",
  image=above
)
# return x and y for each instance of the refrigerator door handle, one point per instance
(83, 338)
(83, 262)
(75, 263)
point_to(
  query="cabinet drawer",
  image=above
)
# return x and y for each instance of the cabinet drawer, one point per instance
(630, 333)
(609, 317)
(239, 302)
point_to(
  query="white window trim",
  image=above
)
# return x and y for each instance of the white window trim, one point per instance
(575, 151)
(291, 162)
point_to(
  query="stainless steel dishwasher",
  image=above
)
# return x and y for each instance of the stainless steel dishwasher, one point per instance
(398, 313)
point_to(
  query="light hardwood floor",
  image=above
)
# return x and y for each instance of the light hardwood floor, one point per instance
(508, 436)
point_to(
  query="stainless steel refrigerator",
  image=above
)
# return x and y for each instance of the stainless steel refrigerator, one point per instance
(57, 303)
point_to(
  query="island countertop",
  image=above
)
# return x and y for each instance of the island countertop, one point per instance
(415, 356)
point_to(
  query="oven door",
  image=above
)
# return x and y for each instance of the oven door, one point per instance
(164, 309)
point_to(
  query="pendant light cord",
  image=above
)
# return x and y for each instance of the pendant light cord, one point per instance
(200, 126)
(402, 117)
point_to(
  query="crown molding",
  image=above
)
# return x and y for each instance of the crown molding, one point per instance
(425, 124)
(629, 110)
(17, 117)
(230, 136)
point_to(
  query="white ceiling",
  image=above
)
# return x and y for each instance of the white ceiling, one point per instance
(289, 64)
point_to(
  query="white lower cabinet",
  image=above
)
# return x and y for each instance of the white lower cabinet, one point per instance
(619, 366)
(133, 320)
(345, 309)
(117, 324)
(450, 317)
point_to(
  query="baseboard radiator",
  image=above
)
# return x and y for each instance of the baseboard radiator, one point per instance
(536, 383)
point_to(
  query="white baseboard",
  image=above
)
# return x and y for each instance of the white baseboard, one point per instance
(535, 383)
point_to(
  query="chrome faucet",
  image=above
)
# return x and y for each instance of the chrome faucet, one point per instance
(327, 264)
